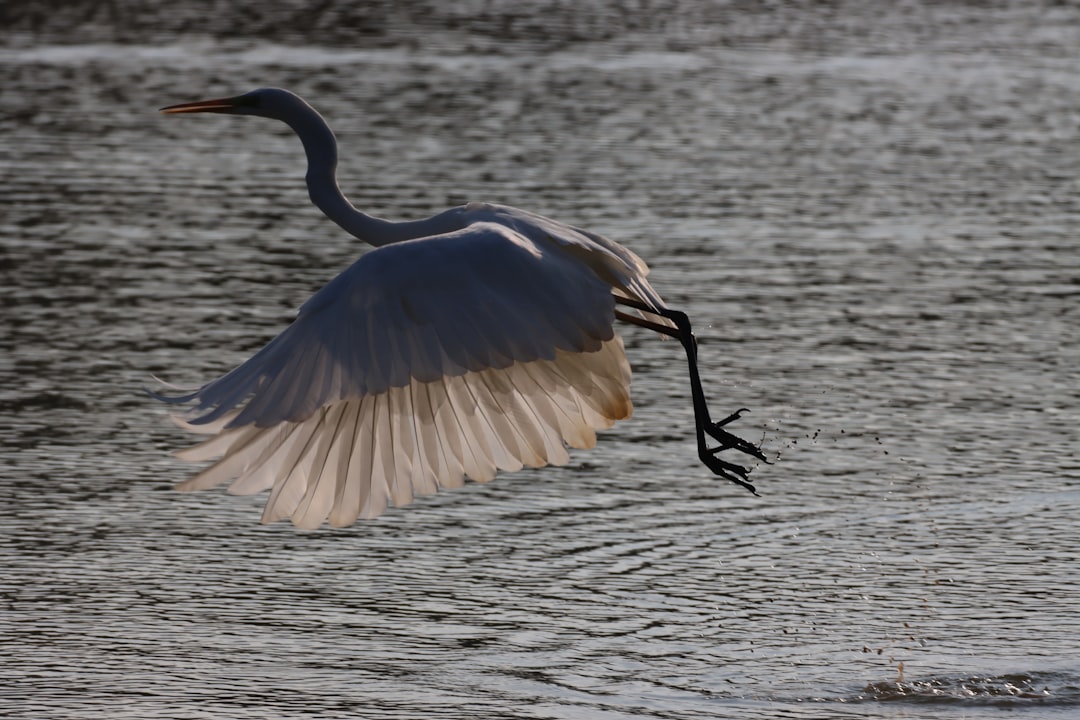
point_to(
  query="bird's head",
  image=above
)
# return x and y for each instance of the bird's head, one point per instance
(265, 102)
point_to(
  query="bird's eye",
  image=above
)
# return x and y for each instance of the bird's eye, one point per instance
(248, 100)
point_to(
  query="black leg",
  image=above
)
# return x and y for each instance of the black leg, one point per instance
(705, 425)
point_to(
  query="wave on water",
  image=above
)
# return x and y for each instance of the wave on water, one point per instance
(1008, 690)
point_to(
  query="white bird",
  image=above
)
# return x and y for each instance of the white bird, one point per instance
(479, 339)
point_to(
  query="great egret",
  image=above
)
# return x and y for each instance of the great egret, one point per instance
(478, 339)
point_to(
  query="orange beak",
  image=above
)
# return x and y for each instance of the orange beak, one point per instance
(217, 105)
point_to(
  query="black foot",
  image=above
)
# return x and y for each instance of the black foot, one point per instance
(729, 471)
(728, 441)
(731, 418)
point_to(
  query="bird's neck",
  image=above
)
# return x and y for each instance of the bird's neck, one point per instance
(320, 145)
(321, 148)
(324, 192)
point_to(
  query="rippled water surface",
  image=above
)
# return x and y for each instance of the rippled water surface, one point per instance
(870, 213)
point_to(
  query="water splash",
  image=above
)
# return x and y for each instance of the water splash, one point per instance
(1008, 690)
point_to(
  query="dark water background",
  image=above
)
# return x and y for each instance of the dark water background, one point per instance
(869, 209)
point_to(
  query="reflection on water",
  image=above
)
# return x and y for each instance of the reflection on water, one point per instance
(870, 216)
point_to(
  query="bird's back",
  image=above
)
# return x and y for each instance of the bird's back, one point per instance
(619, 267)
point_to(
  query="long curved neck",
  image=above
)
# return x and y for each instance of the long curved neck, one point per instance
(320, 145)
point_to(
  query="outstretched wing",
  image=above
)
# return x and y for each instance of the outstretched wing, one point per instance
(426, 361)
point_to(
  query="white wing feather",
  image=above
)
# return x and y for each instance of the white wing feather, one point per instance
(329, 466)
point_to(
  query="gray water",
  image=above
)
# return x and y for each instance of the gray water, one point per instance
(868, 210)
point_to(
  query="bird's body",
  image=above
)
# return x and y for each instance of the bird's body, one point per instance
(477, 340)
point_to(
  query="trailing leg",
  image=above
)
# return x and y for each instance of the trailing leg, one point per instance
(705, 425)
